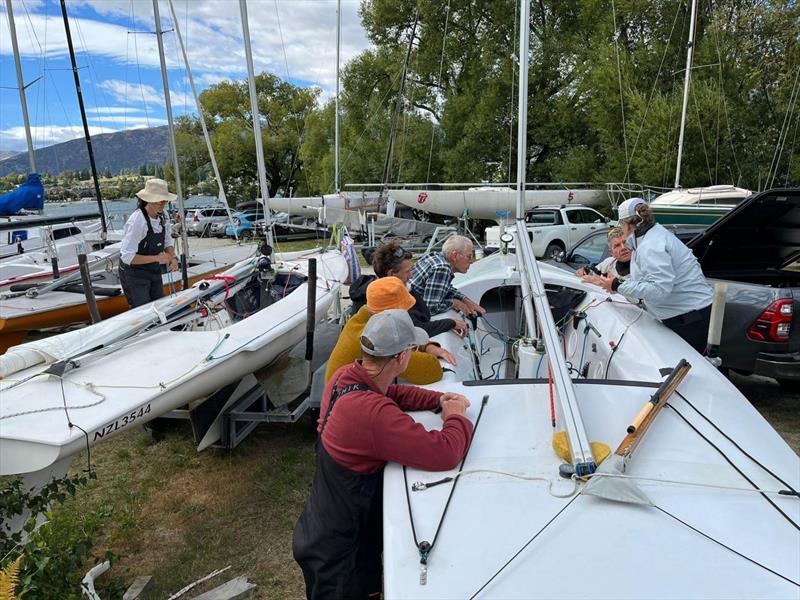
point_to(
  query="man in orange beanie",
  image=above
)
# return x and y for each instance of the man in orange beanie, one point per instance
(384, 294)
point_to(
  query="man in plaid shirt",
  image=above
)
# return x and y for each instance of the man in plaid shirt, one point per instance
(432, 277)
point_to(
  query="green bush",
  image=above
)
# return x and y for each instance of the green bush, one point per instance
(56, 547)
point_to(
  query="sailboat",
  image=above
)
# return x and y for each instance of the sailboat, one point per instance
(24, 230)
(31, 303)
(703, 205)
(608, 459)
(152, 359)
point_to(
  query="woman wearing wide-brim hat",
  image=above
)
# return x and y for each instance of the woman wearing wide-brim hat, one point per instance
(147, 245)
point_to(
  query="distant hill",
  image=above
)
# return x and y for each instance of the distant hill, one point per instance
(114, 151)
(6, 154)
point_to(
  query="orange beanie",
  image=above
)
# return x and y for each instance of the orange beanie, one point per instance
(388, 292)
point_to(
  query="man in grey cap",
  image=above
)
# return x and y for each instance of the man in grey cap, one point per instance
(363, 425)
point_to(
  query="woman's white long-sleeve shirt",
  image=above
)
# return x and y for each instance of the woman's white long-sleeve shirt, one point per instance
(136, 230)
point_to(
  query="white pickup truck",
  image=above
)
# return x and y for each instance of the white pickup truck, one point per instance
(553, 229)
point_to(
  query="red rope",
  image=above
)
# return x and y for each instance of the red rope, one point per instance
(228, 279)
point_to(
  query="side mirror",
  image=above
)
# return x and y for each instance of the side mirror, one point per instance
(606, 220)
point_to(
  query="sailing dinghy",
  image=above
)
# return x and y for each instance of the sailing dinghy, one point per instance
(61, 394)
(699, 499)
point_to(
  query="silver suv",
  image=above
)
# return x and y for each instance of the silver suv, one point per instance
(199, 220)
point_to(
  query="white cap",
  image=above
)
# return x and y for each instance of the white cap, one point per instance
(627, 209)
(390, 332)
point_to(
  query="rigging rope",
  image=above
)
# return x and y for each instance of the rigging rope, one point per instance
(784, 132)
(619, 77)
(736, 552)
(731, 463)
(439, 81)
(521, 550)
(650, 99)
(425, 548)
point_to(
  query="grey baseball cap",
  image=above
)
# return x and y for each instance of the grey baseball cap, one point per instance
(390, 332)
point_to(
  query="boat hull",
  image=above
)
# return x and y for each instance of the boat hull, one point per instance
(493, 204)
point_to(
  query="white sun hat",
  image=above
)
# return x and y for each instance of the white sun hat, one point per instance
(155, 190)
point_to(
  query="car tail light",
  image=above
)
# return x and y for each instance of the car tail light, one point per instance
(774, 324)
(195, 219)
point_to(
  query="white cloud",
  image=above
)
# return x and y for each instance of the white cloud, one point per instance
(212, 32)
(123, 91)
(13, 138)
(113, 110)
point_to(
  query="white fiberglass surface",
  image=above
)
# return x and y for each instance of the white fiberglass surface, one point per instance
(683, 547)
(648, 553)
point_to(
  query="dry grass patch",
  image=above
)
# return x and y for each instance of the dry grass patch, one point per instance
(179, 514)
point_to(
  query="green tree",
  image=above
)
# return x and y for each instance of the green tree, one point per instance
(283, 108)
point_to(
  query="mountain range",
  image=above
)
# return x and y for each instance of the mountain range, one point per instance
(115, 152)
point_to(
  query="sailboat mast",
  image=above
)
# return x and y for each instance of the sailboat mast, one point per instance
(21, 86)
(522, 102)
(83, 119)
(173, 148)
(686, 80)
(251, 81)
(336, 120)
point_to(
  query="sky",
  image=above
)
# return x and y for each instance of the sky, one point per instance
(119, 69)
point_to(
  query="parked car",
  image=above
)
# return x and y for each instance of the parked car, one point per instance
(243, 223)
(199, 220)
(218, 229)
(553, 229)
(755, 250)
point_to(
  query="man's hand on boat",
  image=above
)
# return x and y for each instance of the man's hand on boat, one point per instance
(604, 281)
(453, 404)
(459, 327)
(441, 353)
(468, 308)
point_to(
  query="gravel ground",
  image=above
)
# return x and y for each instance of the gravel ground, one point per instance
(778, 405)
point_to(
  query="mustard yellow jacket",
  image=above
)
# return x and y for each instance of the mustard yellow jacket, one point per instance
(422, 369)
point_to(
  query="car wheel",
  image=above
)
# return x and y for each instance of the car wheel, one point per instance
(554, 251)
(791, 385)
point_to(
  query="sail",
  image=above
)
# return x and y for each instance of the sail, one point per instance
(29, 195)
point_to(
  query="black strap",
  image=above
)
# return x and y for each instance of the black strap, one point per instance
(425, 548)
(337, 393)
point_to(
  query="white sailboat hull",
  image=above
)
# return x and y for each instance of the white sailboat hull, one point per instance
(597, 548)
(494, 204)
(149, 377)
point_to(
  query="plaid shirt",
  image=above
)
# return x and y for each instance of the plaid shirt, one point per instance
(432, 278)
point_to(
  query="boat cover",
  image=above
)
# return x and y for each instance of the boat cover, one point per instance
(29, 196)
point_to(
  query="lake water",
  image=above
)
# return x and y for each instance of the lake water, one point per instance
(118, 211)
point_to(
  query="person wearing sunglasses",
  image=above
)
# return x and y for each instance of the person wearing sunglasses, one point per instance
(432, 278)
(618, 264)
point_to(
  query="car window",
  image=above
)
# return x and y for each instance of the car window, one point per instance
(573, 216)
(220, 212)
(591, 250)
(543, 217)
(590, 216)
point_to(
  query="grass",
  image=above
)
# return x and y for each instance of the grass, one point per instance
(177, 514)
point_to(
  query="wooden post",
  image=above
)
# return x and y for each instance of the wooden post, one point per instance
(86, 279)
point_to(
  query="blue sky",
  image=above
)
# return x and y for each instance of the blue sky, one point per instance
(119, 71)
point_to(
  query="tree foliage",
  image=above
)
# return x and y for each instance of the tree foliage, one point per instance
(284, 109)
(604, 98)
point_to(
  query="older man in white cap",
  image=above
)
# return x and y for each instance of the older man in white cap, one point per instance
(147, 245)
(664, 274)
(363, 424)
